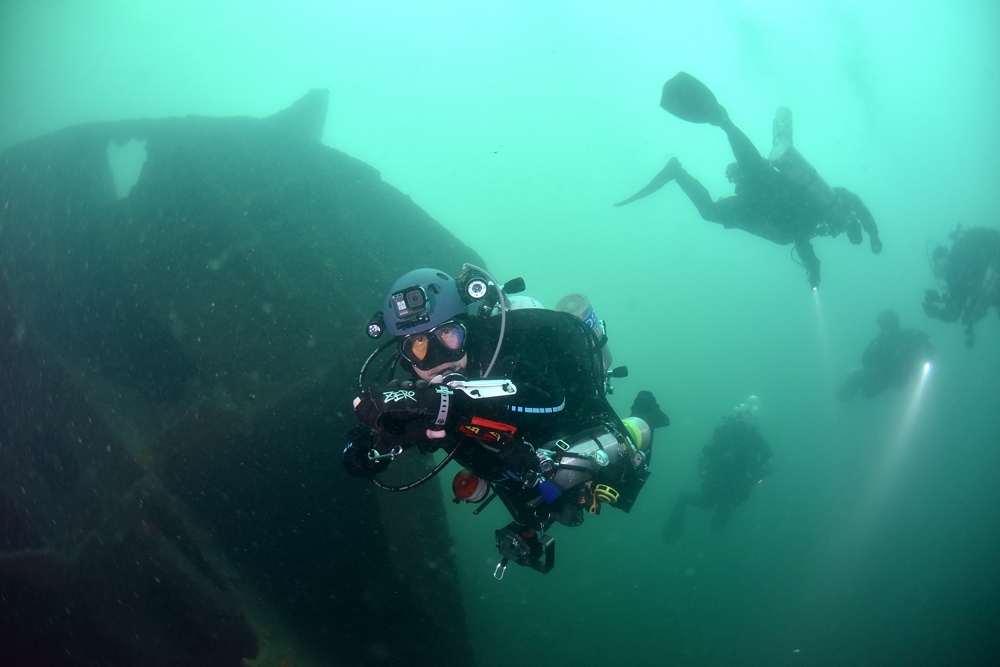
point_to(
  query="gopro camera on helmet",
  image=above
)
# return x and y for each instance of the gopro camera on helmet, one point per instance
(409, 303)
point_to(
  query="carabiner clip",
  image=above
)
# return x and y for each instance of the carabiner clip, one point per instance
(373, 455)
(501, 569)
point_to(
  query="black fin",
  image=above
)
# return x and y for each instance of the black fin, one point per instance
(667, 174)
(646, 408)
(689, 99)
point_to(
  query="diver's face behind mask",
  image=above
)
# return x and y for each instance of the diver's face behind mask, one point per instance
(438, 349)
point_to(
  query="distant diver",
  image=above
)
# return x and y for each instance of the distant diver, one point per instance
(733, 462)
(971, 274)
(782, 199)
(896, 356)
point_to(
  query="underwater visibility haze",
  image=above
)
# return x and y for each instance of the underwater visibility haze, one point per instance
(204, 202)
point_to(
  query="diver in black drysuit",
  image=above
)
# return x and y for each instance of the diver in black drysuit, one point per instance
(554, 360)
(733, 462)
(971, 273)
(782, 200)
(552, 363)
(895, 356)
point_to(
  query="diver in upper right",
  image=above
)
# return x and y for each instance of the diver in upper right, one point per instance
(971, 274)
(781, 199)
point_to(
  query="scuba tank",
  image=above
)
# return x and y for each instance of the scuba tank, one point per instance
(786, 159)
(799, 171)
(589, 453)
(579, 305)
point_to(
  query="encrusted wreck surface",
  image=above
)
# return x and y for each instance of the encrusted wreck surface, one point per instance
(182, 304)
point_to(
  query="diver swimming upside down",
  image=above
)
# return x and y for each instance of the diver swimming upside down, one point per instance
(782, 199)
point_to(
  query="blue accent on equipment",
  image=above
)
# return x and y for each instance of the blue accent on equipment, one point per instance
(549, 491)
(537, 411)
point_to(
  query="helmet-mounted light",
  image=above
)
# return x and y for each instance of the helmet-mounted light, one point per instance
(376, 325)
(477, 288)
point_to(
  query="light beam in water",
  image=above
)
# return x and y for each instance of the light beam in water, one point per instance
(824, 341)
(882, 482)
(909, 418)
(874, 506)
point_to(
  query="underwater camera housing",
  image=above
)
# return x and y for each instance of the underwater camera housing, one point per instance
(526, 547)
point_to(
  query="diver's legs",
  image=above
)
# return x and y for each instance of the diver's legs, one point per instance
(667, 174)
(722, 211)
(696, 192)
(746, 154)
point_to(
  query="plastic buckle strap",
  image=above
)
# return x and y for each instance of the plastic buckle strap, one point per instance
(442, 416)
(501, 569)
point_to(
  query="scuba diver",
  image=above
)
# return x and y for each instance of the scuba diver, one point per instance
(971, 273)
(892, 359)
(782, 199)
(518, 397)
(735, 460)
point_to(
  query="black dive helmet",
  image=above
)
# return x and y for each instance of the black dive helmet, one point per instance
(424, 299)
(421, 300)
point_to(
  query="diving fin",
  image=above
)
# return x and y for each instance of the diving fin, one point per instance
(666, 175)
(647, 409)
(689, 99)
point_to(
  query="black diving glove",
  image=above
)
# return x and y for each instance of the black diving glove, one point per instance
(358, 461)
(876, 243)
(933, 303)
(420, 406)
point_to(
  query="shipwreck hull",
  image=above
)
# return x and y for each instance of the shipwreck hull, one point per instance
(178, 357)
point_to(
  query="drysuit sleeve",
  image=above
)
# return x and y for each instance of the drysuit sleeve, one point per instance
(864, 217)
(539, 388)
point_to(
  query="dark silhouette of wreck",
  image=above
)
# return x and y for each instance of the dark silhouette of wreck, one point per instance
(178, 352)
